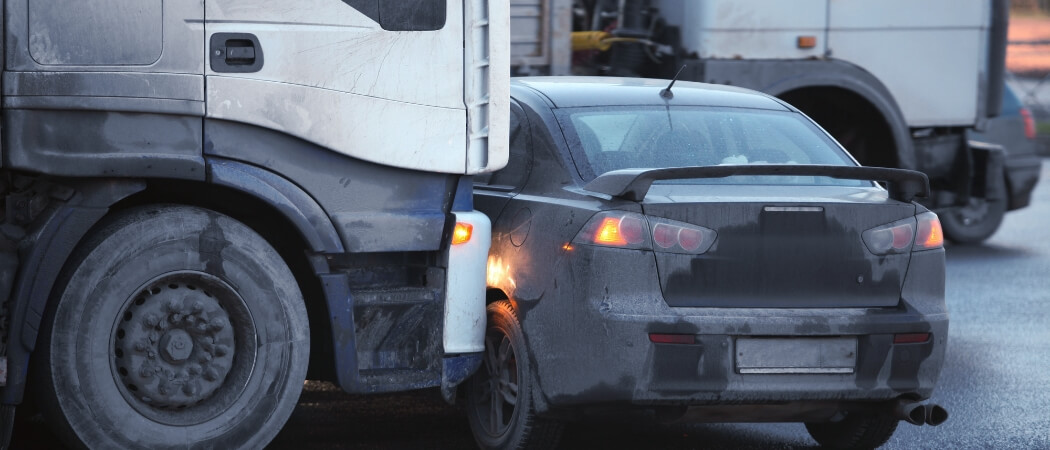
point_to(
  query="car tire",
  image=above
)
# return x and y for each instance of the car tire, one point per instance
(976, 221)
(173, 326)
(855, 431)
(500, 406)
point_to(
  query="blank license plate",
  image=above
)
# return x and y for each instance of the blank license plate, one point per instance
(796, 355)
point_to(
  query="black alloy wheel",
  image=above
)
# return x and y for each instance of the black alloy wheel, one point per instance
(499, 396)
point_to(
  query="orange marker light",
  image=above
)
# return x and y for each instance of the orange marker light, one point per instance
(936, 236)
(807, 41)
(929, 233)
(609, 232)
(462, 233)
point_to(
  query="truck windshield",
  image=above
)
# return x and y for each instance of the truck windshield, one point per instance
(603, 139)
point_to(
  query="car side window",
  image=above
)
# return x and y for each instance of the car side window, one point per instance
(513, 176)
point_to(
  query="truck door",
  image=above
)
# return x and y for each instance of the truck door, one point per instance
(379, 80)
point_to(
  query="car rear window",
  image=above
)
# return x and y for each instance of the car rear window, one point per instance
(602, 139)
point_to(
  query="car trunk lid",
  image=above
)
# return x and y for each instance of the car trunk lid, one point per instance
(772, 250)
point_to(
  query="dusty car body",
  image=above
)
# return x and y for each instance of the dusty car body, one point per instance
(738, 287)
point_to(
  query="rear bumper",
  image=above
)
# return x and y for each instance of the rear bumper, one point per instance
(602, 354)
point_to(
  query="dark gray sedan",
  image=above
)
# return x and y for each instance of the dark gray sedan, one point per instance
(705, 253)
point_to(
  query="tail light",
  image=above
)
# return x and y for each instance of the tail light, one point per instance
(1029, 123)
(922, 232)
(635, 231)
(892, 238)
(930, 235)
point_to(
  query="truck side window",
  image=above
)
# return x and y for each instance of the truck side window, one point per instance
(404, 15)
(520, 160)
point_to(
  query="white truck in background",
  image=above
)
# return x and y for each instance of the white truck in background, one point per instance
(899, 83)
(205, 203)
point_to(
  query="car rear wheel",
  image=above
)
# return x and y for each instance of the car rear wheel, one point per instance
(500, 408)
(854, 431)
(174, 326)
(977, 220)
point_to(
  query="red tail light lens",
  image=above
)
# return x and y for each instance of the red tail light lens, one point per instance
(1029, 123)
(911, 338)
(929, 234)
(632, 230)
(616, 229)
(678, 237)
(922, 232)
(891, 238)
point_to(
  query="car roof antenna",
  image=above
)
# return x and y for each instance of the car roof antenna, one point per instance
(666, 92)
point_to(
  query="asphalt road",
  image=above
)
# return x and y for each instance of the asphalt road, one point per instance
(996, 382)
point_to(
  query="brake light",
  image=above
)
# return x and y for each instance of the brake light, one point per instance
(678, 237)
(922, 232)
(616, 229)
(1029, 123)
(929, 234)
(632, 230)
(620, 231)
(461, 234)
(892, 238)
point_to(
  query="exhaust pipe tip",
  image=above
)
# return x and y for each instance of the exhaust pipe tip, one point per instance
(911, 412)
(935, 414)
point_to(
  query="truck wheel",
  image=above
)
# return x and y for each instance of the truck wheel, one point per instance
(173, 326)
(977, 220)
(499, 396)
(855, 431)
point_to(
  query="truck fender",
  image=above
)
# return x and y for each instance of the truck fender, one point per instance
(54, 241)
(777, 77)
(847, 76)
(298, 207)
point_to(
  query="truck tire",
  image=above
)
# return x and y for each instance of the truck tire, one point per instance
(977, 221)
(173, 326)
(854, 432)
(500, 408)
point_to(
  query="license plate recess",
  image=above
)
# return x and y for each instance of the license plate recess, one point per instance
(828, 355)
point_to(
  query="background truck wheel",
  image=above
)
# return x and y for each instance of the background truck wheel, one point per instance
(977, 220)
(855, 431)
(499, 395)
(173, 326)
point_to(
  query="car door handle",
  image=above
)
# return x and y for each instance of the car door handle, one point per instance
(235, 52)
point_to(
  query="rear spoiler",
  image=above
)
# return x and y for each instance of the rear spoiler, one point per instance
(633, 184)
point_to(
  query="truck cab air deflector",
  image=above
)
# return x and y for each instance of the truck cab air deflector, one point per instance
(633, 184)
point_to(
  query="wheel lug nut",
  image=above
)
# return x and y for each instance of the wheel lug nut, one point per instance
(221, 350)
(211, 374)
(141, 346)
(205, 357)
(174, 305)
(194, 370)
(146, 372)
(151, 320)
(202, 326)
(189, 388)
(217, 324)
(153, 337)
(175, 318)
(198, 307)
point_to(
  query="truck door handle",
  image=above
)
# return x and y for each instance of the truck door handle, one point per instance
(235, 52)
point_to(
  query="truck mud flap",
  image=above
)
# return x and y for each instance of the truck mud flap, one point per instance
(987, 165)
